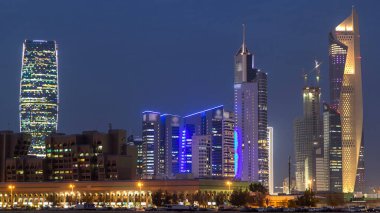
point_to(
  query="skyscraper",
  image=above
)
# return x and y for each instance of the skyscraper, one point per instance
(346, 93)
(150, 144)
(202, 156)
(332, 136)
(160, 145)
(308, 139)
(251, 142)
(39, 92)
(169, 143)
(218, 124)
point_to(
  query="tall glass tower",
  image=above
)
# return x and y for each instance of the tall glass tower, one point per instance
(39, 92)
(251, 136)
(346, 93)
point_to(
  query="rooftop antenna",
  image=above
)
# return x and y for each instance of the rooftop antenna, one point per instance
(243, 46)
(110, 126)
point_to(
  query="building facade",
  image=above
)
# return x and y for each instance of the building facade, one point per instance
(138, 144)
(218, 124)
(332, 136)
(90, 156)
(346, 93)
(15, 165)
(169, 140)
(250, 98)
(39, 92)
(150, 146)
(202, 156)
(271, 161)
(308, 140)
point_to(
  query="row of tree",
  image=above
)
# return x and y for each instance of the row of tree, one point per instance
(255, 195)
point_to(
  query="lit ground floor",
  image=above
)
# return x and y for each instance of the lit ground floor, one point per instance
(104, 193)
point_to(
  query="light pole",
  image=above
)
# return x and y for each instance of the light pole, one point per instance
(72, 193)
(11, 187)
(229, 183)
(140, 184)
(310, 186)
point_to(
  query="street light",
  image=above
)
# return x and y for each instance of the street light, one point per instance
(229, 183)
(310, 182)
(72, 192)
(11, 187)
(140, 184)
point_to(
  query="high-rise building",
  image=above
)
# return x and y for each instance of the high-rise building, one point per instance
(251, 142)
(332, 136)
(151, 142)
(271, 161)
(228, 164)
(160, 145)
(138, 143)
(202, 156)
(219, 125)
(169, 143)
(39, 92)
(346, 93)
(308, 140)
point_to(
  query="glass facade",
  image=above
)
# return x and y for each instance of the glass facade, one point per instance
(39, 92)
(218, 124)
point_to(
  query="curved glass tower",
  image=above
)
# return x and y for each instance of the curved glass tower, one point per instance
(39, 92)
(346, 93)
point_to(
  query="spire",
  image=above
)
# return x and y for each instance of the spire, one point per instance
(243, 49)
(243, 46)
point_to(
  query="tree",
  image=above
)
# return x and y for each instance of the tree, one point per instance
(158, 198)
(175, 198)
(220, 198)
(307, 199)
(239, 197)
(259, 192)
(168, 198)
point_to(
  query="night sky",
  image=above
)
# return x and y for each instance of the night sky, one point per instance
(119, 58)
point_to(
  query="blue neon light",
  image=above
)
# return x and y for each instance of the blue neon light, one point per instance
(203, 111)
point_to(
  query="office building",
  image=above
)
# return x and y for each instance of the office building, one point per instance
(250, 98)
(308, 140)
(271, 161)
(346, 93)
(169, 143)
(332, 136)
(151, 141)
(161, 140)
(217, 123)
(90, 156)
(39, 92)
(15, 165)
(138, 144)
(202, 156)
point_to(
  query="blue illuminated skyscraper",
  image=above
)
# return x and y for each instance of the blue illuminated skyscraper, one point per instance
(160, 145)
(169, 143)
(39, 92)
(218, 124)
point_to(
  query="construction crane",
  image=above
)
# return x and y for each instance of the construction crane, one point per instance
(315, 70)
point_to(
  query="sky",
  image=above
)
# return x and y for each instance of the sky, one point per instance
(118, 58)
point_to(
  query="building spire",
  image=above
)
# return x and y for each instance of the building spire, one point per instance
(244, 48)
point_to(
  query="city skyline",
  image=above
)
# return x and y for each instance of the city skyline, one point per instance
(103, 122)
